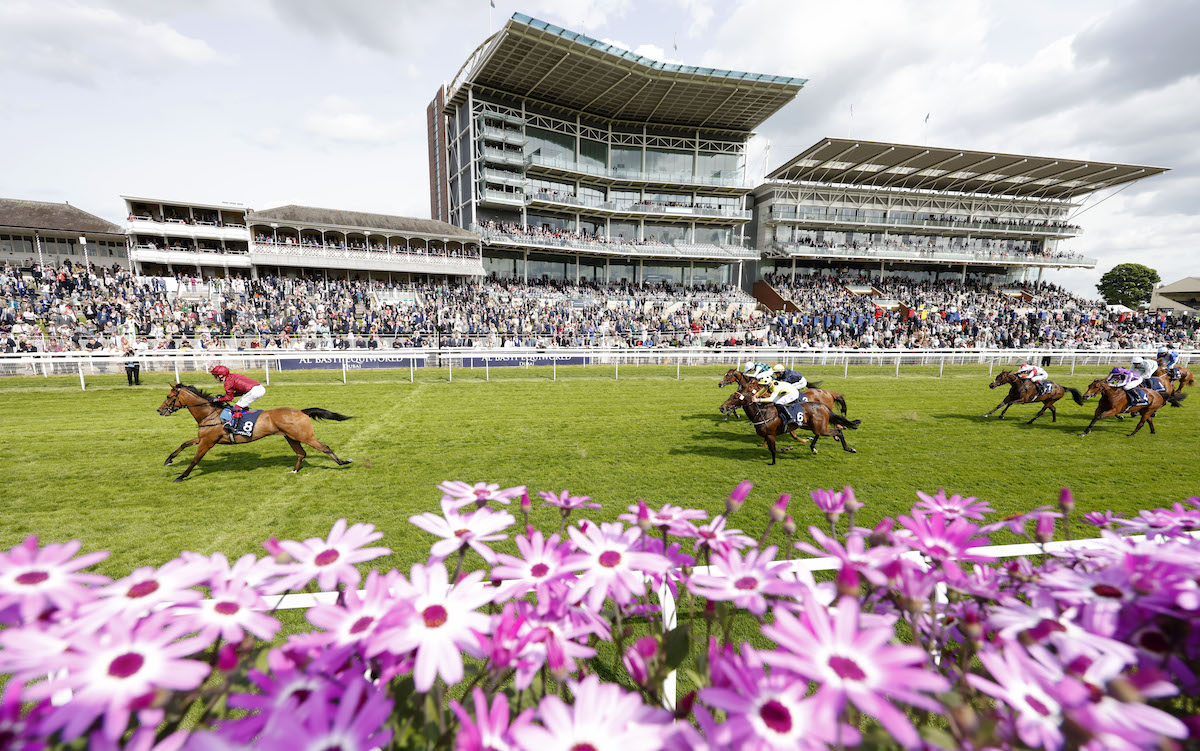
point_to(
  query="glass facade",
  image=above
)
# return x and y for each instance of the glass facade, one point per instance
(549, 145)
(627, 158)
(719, 165)
(668, 162)
(593, 154)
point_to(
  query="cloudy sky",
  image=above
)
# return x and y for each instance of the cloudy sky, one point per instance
(317, 102)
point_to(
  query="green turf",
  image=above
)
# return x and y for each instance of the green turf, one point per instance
(89, 464)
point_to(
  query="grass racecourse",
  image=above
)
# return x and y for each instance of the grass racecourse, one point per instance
(89, 464)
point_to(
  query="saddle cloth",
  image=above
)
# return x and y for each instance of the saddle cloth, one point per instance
(1044, 387)
(794, 412)
(1140, 397)
(1174, 374)
(1157, 385)
(243, 425)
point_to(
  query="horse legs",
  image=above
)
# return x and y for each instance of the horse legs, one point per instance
(993, 409)
(798, 438)
(1006, 406)
(813, 444)
(1145, 416)
(182, 446)
(1045, 406)
(841, 436)
(322, 447)
(299, 452)
(771, 445)
(201, 450)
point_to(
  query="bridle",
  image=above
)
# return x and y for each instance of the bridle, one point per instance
(174, 405)
(756, 423)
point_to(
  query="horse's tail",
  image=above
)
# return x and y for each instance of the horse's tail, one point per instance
(839, 400)
(323, 414)
(1175, 399)
(1190, 380)
(815, 384)
(1078, 397)
(842, 422)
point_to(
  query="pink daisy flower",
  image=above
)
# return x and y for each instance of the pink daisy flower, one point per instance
(1031, 692)
(363, 614)
(357, 721)
(230, 611)
(329, 561)
(33, 579)
(770, 712)
(464, 530)
(541, 561)
(117, 672)
(249, 569)
(715, 537)
(610, 564)
(286, 692)
(444, 626)
(746, 581)
(460, 494)
(146, 589)
(953, 507)
(566, 501)
(674, 520)
(603, 718)
(854, 554)
(947, 543)
(488, 730)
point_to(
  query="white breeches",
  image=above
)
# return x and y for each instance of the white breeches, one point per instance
(787, 399)
(250, 396)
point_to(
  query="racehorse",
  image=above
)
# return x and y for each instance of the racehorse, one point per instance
(1185, 376)
(1113, 402)
(734, 403)
(1024, 391)
(814, 394)
(295, 425)
(818, 419)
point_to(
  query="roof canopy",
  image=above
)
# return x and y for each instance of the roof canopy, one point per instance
(893, 165)
(538, 60)
(357, 220)
(59, 217)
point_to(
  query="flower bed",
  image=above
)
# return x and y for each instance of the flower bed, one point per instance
(921, 641)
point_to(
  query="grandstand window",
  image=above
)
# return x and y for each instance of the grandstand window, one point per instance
(625, 197)
(554, 267)
(627, 231)
(593, 154)
(669, 199)
(622, 272)
(590, 227)
(627, 158)
(549, 222)
(665, 161)
(550, 145)
(591, 195)
(666, 232)
(714, 235)
(719, 165)
(664, 273)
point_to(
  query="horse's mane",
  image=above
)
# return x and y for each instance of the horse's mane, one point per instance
(198, 392)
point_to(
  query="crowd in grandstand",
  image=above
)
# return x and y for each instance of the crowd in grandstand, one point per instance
(100, 309)
(997, 249)
(554, 236)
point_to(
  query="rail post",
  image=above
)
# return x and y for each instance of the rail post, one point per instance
(991, 364)
(487, 369)
(1072, 364)
(846, 368)
(343, 370)
(897, 366)
(410, 370)
(941, 367)
(554, 365)
(678, 360)
(616, 369)
(450, 364)
(267, 370)
(175, 360)
(82, 385)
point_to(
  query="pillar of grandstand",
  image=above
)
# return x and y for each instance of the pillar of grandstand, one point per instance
(200, 239)
(921, 211)
(51, 234)
(297, 240)
(578, 160)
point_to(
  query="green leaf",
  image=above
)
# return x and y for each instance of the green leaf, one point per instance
(676, 643)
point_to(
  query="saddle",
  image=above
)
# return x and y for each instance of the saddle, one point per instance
(1157, 384)
(1174, 374)
(793, 413)
(1045, 387)
(242, 422)
(1138, 397)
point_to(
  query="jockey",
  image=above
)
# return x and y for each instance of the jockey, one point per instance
(1125, 379)
(779, 372)
(1144, 367)
(236, 385)
(758, 370)
(1034, 374)
(782, 394)
(1168, 357)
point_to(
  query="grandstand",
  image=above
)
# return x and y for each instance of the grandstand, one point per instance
(56, 233)
(925, 211)
(578, 160)
(221, 240)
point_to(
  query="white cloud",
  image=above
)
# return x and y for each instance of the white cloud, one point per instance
(340, 119)
(79, 43)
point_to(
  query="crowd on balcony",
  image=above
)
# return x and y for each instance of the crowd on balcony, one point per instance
(898, 312)
(331, 243)
(208, 219)
(108, 310)
(980, 247)
(554, 236)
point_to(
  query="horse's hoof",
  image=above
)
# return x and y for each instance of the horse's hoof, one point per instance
(852, 451)
(178, 479)
(167, 463)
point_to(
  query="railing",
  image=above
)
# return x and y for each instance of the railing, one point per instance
(637, 207)
(793, 216)
(503, 177)
(516, 159)
(508, 136)
(673, 178)
(181, 362)
(886, 253)
(365, 254)
(182, 249)
(504, 196)
(616, 247)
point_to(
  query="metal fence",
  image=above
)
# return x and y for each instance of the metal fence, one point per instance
(558, 361)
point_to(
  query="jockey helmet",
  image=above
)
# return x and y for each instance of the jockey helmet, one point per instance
(1162, 350)
(748, 366)
(778, 367)
(1118, 371)
(1137, 361)
(220, 370)
(766, 381)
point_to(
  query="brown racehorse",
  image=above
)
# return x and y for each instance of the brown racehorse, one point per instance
(814, 394)
(734, 403)
(1113, 402)
(818, 419)
(1185, 376)
(1023, 391)
(295, 425)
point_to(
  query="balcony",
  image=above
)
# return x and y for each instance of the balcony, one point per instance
(138, 225)
(514, 137)
(550, 164)
(393, 259)
(889, 253)
(500, 156)
(498, 115)
(1002, 228)
(623, 208)
(504, 177)
(501, 197)
(186, 257)
(680, 250)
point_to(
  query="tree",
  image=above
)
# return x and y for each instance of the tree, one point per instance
(1128, 284)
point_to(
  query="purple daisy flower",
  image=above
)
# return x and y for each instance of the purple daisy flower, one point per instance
(286, 692)
(33, 579)
(460, 494)
(854, 554)
(674, 520)
(1033, 693)
(329, 561)
(147, 589)
(230, 611)
(952, 507)
(361, 615)
(611, 564)
(541, 562)
(464, 530)
(356, 722)
(746, 581)
(489, 729)
(603, 718)
(715, 537)
(509, 647)
(947, 543)
(566, 501)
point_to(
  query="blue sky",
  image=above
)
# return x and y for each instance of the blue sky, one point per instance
(322, 103)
